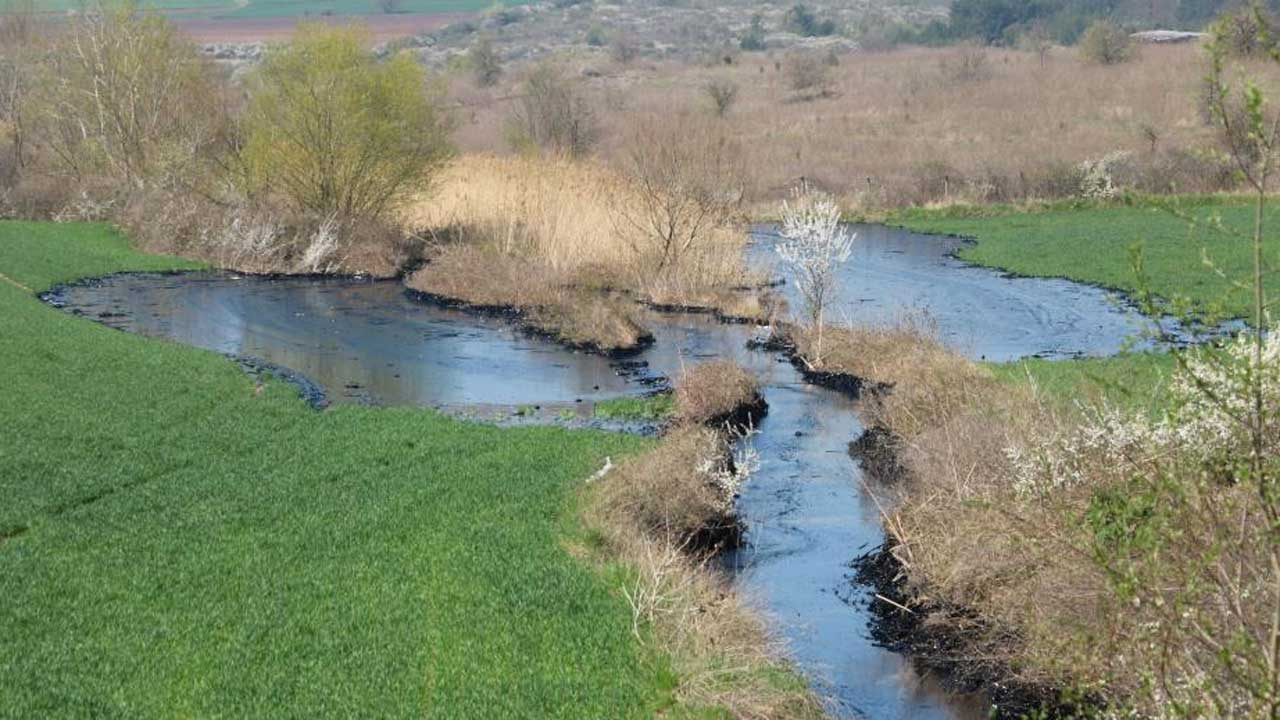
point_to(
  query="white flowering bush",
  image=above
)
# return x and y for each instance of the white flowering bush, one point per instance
(813, 246)
(1212, 401)
(1097, 176)
(243, 242)
(320, 255)
(729, 474)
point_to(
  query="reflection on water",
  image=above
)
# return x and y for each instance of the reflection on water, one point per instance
(808, 513)
(894, 273)
(360, 340)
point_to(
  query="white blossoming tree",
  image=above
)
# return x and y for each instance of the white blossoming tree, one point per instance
(813, 245)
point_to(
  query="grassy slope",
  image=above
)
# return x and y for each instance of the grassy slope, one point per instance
(195, 546)
(1092, 245)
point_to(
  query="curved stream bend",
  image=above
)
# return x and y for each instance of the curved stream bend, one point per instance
(807, 515)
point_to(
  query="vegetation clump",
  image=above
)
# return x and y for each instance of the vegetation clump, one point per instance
(576, 245)
(1106, 44)
(719, 394)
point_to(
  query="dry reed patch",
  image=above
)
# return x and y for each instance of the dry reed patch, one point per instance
(655, 513)
(718, 393)
(543, 235)
(547, 300)
(565, 216)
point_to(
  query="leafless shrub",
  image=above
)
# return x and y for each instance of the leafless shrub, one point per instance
(809, 75)
(554, 113)
(966, 65)
(686, 181)
(244, 242)
(624, 48)
(320, 254)
(485, 62)
(722, 93)
(714, 390)
(85, 208)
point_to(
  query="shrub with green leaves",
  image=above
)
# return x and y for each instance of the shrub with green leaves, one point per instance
(1106, 43)
(334, 131)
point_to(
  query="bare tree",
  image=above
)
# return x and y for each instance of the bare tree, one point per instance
(389, 7)
(809, 74)
(486, 63)
(21, 46)
(723, 94)
(554, 113)
(686, 179)
(126, 94)
(813, 245)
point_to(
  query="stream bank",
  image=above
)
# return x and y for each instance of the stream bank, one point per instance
(807, 510)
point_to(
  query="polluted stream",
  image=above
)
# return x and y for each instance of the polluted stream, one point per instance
(807, 511)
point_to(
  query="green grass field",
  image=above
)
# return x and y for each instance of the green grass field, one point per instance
(179, 542)
(294, 8)
(1133, 381)
(644, 408)
(1092, 244)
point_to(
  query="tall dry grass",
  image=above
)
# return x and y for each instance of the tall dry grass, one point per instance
(1006, 577)
(546, 236)
(1068, 546)
(564, 216)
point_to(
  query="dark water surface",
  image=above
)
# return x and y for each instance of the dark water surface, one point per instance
(807, 511)
(894, 273)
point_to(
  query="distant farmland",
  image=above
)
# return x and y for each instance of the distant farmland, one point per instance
(232, 21)
(236, 9)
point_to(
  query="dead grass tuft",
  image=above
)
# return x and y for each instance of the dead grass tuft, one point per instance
(718, 393)
(928, 383)
(549, 301)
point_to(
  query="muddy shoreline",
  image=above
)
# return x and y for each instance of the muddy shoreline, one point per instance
(939, 638)
(1179, 336)
(521, 319)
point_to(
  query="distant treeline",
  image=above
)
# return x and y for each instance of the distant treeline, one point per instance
(1002, 22)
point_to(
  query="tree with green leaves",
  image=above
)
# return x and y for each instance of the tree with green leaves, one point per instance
(1106, 43)
(336, 132)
